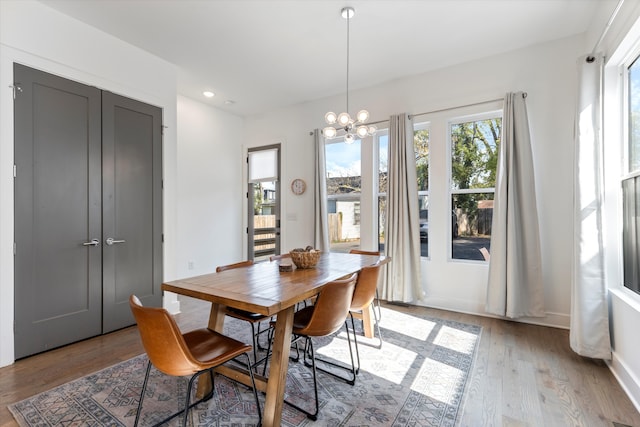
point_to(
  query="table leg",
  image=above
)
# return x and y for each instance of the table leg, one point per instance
(367, 321)
(278, 370)
(216, 323)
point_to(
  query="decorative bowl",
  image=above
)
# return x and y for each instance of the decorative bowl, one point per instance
(305, 259)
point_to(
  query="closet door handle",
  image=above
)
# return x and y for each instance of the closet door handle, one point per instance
(111, 241)
(93, 242)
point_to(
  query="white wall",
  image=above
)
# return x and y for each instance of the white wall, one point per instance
(39, 37)
(546, 72)
(210, 189)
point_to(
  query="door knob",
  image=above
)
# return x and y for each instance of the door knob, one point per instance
(93, 242)
(111, 241)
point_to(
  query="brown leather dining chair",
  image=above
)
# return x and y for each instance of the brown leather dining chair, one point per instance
(363, 297)
(177, 354)
(252, 318)
(326, 316)
(372, 253)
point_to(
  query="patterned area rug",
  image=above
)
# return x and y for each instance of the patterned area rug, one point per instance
(417, 378)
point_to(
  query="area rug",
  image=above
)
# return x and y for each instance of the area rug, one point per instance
(417, 377)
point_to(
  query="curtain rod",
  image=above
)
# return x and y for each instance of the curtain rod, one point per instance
(592, 57)
(524, 95)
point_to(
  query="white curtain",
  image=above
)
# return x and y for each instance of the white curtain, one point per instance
(321, 222)
(402, 233)
(589, 334)
(515, 287)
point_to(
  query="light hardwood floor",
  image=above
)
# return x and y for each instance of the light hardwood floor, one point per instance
(524, 375)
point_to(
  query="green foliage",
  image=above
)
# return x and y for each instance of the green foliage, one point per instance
(475, 147)
(421, 149)
(475, 153)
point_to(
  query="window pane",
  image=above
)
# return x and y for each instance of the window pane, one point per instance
(471, 216)
(382, 215)
(631, 233)
(634, 116)
(474, 153)
(421, 149)
(383, 174)
(343, 191)
(423, 205)
(383, 156)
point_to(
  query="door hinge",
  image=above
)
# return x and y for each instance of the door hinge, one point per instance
(15, 248)
(16, 88)
(162, 128)
(162, 237)
(15, 171)
(247, 230)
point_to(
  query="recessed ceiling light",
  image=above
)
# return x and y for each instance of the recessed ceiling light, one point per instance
(208, 94)
(229, 102)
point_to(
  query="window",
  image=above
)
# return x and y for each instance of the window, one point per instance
(421, 150)
(474, 144)
(344, 188)
(631, 184)
(356, 191)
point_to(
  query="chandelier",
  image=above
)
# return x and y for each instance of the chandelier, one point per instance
(343, 120)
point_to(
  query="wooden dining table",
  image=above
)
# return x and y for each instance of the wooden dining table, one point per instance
(262, 288)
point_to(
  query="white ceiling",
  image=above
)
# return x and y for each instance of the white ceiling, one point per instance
(265, 54)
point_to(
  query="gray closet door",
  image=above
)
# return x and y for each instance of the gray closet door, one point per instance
(132, 207)
(58, 274)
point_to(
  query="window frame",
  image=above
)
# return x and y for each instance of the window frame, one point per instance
(493, 113)
(626, 174)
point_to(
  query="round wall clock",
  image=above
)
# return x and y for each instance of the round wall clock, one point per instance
(298, 186)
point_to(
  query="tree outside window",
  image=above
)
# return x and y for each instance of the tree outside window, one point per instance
(474, 158)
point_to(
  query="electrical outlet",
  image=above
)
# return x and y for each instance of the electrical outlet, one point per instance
(190, 265)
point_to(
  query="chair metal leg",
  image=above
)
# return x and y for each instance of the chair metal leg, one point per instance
(255, 390)
(351, 380)
(144, 390)
(311, 415)
(188, 406)
(355, 339)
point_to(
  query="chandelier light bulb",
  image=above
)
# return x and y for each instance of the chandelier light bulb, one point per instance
(363, 116)
(344, 119)
(330, 117)
(362, 131)
(348, 139)
(372, 129)
(329, 132)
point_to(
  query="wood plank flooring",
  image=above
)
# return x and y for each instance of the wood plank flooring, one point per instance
(524, 375)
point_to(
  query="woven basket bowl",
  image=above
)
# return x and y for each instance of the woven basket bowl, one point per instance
(305, 259)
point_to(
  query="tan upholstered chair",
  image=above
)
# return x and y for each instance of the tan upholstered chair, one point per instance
(363, 297)
(325, 317)
(178, 354)
(252, 318)
(373, 253)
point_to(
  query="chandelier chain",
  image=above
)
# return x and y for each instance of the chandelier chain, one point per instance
(348, 19)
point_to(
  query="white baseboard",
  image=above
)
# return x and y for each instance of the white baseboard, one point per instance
(627, 380)
(554, 320)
